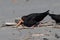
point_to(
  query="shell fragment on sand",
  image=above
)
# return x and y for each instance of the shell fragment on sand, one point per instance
(8, 24)
(40, 34)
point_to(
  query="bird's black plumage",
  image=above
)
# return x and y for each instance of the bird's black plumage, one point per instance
(55, 17)
(34, 18)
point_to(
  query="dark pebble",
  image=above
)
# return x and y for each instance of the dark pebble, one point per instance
(45, 39)
(13, 33)
(57, 36)
(50, 31)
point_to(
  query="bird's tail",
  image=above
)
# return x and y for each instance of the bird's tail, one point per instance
(47, 11)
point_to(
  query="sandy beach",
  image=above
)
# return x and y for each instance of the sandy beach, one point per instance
(9, 33)
(9, 11)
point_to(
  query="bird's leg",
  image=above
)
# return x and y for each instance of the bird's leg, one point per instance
(39, 25)
(33, 26)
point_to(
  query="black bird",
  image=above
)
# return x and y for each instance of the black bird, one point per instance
(55, 17)
(33, 18)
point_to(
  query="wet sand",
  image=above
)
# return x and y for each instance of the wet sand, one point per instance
(10, 11)
(38, 33)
